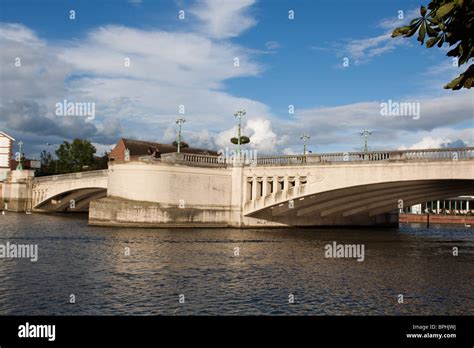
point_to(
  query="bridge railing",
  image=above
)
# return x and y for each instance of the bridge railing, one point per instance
(194, 159)
(72, 176)
(371, 156)
(282, 160)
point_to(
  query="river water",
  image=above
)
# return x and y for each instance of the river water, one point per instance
(233, 272)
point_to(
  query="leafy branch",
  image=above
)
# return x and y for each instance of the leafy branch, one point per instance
(446, 22)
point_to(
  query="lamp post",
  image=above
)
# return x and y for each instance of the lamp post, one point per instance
(365, 133)
(239, 114)
(19, 166)
(305, 137)
(179, 121)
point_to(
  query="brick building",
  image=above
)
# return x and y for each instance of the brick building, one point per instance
(26, 164)
(140, 148)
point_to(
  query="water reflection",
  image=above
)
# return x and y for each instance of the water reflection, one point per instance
(90, 262)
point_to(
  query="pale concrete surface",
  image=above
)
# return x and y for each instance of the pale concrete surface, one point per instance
(318, 190)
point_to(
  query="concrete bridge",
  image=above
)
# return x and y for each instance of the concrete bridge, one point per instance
(318, 189)
(356, 188)
(68, 192)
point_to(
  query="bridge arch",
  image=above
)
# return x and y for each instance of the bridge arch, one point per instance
(358, 193)
(362, 203)
(71, 201)
(68, 192)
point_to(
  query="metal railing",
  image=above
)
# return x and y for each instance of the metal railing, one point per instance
(72, 176)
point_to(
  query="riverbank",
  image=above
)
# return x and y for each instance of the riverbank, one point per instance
(436, 219)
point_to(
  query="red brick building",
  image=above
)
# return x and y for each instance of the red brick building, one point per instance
(26, 164)
(140, 148)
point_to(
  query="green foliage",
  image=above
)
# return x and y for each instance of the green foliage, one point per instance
(48, 164)
(182, 145)
(101, 162)
(76, 156)
(243, 140)
(450, 22)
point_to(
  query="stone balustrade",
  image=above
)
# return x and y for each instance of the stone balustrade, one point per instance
(194, 159)
(72, 176)
(372, 156)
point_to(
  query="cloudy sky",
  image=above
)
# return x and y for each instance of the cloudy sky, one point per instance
(325, 72)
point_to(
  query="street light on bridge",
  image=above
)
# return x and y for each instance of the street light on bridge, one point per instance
(239, 114)
(305, 137)
(19, 158)
(365, 133)
(179, 121)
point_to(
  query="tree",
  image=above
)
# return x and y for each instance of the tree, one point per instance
(451, 22)
(101, 162)
(74, 157)
(48, 164)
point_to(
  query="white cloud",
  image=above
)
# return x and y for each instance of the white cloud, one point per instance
(289, 151)
(337, 128)
(395, 21)
(429, 143)
(262, 136)
(39, 73)
(19, 33)
(222, 139)
(440, 137)
(435, 112)
(168, 58)
(224, 18)
(363, 50)
(272, 45)
(167, 69)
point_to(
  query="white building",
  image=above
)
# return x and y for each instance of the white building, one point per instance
(6, 146)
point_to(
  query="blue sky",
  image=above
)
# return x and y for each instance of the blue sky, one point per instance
(190, 62)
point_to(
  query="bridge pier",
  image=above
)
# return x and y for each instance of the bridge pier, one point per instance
(16, 191)
(173, 195)
(389, 219)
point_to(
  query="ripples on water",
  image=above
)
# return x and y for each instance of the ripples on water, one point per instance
(90, 263)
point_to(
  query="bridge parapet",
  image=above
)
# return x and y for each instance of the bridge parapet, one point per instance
(372, 156)
(323, 158)
(71, 176)
(286, 160)
(194, 159)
